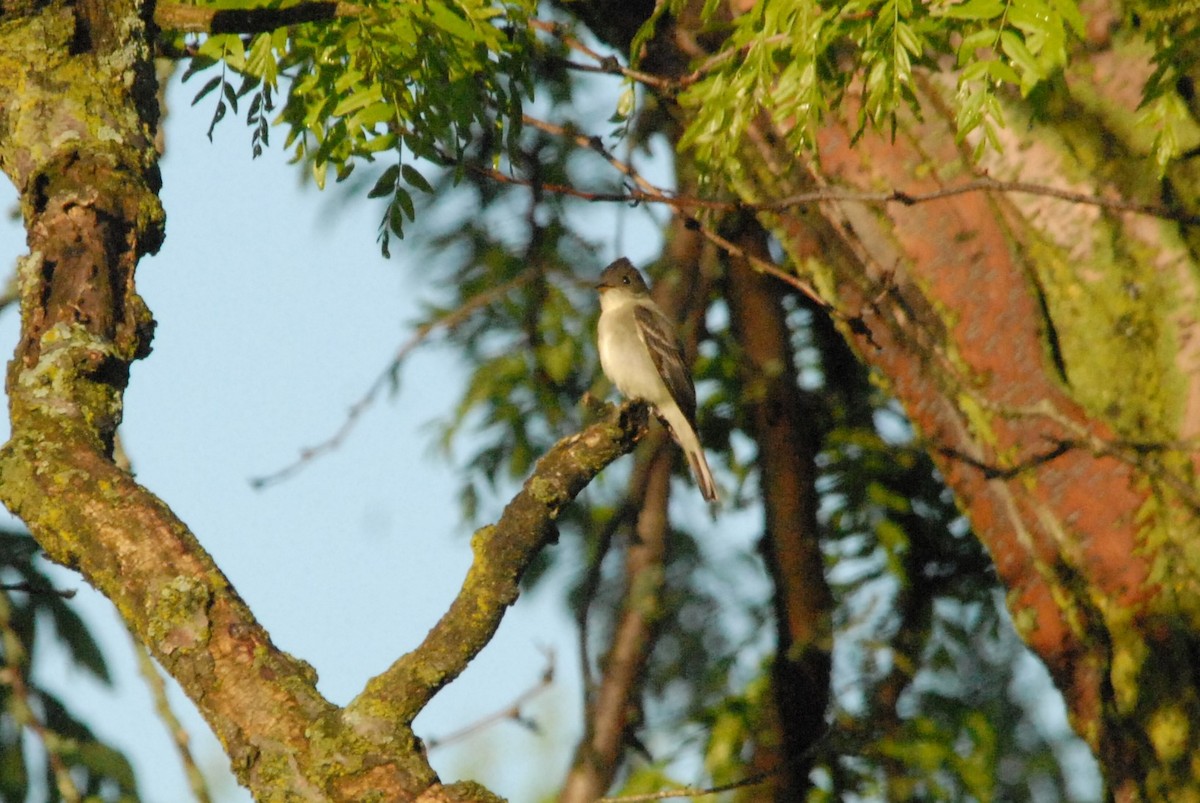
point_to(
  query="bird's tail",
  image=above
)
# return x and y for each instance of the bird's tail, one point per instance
(703, 475)
(685, 435)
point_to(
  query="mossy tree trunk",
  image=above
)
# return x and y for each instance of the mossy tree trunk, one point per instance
(1048, 353)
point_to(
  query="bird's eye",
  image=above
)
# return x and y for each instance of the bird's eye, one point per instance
(625, 279)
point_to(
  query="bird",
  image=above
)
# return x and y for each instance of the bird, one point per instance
(641, 354)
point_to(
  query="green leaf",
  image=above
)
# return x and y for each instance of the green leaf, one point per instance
(1169, 118)
(558, 360)
(319, 169)
(385, 185)
(405, 202)
(261, 60)
(978, 10)
(230, 96)
(983, 39)
(395, 219)
(1068, 11)
(362, 97)
(1027, 66)
(452, 23)
(218, 116)
(74, 633)
(208, 87)
(197, 64)
(415, 179)
(108, 763)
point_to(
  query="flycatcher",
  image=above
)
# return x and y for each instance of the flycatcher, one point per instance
(641, 354)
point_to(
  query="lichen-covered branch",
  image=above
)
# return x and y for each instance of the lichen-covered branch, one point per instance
(76, 140)
(502, 552)
(77, 117)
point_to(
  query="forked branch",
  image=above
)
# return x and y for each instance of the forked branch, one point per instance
(502, 553)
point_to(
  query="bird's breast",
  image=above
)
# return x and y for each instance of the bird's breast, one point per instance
(625, 359)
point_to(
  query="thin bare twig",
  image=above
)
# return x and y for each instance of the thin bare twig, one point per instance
(605, 63)
(450, 321)
(179, 735)
(510, 712)
(691, 791)
(1132, 453)
(982, 184)
(28, 588)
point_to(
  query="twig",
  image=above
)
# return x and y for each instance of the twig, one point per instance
(450, 321)
(692, 791)
(606, 64)
(982, 184)
(501, 554)
(596, 144)
(1132, 453)
(29, 588)
(995, 472)
(509, 712)
(179, 734)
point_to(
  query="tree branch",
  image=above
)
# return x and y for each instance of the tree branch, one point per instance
(206, 19)
(690, 791)
(502, 553)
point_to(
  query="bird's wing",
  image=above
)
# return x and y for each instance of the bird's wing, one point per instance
(658, 333)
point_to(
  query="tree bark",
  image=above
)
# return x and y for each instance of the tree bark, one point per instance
(1046, 354)
(787, 448)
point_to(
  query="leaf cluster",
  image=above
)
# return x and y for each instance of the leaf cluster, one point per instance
(798, 61)
(409, 80)
(1169, 103)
